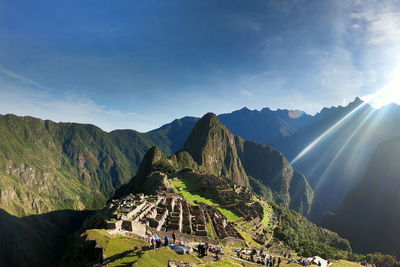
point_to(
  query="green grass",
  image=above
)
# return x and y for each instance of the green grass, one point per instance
(246, 225)
(210, 229)
(117, 249)
(160, 257)
(344, 263)
(188, 193)
(249, 239)
(223, 263)
(230, 215)
(188, 188)
(267, 214)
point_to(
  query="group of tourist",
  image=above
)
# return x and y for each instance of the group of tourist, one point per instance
(204, 249)
(156, 242)
(259, 257)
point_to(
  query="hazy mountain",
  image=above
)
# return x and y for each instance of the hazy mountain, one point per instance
(369, 216)
(265, 126)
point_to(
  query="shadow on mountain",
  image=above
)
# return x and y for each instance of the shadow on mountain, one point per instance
(37, 240)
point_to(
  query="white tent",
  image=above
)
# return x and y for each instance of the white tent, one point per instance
(317, 259)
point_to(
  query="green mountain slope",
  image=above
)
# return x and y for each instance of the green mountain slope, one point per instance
(269, 166)
(47, 166)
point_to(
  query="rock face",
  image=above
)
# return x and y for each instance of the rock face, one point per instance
(370, 215)
(212, 146)
(290, 188)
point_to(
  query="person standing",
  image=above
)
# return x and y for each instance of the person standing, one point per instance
(153, 241)
(174, 237)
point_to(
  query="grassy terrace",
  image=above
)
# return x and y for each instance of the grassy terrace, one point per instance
(189, 189)
(118, 250)
(160, 257)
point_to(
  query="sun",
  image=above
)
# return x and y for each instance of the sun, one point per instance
(390, 93)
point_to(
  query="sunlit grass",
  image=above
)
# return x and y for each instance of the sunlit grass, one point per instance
(344, 263)
(160, 257)
(190, 191)
(118, 250)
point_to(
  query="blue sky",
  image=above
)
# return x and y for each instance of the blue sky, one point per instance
(140, 64)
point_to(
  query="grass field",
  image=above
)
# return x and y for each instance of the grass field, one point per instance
(160, 257)
(189, 189)
(344, 263)
(118, 250)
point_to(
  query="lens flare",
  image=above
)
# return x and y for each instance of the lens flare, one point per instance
(294, 114)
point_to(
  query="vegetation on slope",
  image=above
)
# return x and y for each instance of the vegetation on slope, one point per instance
(47, 166)
(190, 189)
(308, 239)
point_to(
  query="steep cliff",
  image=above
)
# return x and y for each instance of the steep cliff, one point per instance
(212, 146)
(290, 188)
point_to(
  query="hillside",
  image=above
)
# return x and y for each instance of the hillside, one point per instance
(46, 166)
(374, 203)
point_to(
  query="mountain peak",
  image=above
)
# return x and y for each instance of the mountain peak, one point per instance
(210, 118)
(245, 109)
(212, 146)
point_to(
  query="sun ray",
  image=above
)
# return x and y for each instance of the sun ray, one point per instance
(329, 131)
(344, 146)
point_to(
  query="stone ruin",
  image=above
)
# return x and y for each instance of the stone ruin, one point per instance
(168, 212)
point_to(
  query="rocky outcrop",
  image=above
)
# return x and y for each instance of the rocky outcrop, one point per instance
(146, 180)
(212, 146)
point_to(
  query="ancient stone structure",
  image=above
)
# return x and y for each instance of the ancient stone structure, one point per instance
(168, 212)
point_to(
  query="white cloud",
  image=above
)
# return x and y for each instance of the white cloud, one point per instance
(22, 96)
(382, 25)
